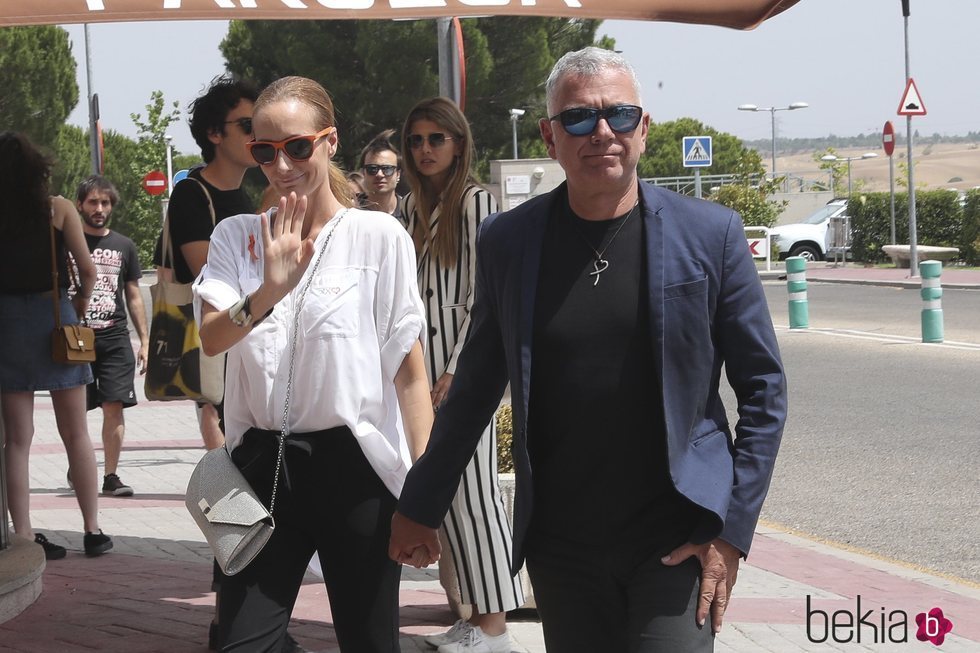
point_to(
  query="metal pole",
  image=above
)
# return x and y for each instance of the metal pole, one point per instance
(443, 25)
(848, 179)
(449, 84)
(891, 189)
(513, 121)
(170, 165)
(92, 136)
(772, 112)
(697, 183)
(913, 234)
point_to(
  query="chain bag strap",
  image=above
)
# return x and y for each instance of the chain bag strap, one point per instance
(283, 430)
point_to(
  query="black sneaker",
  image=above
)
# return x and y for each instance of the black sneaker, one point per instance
(112, 486)
(97, 543)
(51, 551)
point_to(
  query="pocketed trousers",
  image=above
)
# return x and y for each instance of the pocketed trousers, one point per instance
(330, 501)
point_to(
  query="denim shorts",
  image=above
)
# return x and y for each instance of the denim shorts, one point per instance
(26, 323)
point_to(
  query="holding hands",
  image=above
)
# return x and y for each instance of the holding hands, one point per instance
(413, 543)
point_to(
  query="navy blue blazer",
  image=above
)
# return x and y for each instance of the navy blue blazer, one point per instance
(707, 311)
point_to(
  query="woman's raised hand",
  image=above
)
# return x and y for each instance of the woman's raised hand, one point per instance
(286, 253)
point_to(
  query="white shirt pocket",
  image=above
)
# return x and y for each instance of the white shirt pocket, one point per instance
(332, 306)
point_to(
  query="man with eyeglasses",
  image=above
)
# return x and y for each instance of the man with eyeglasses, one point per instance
(611, 307)
(381, 165)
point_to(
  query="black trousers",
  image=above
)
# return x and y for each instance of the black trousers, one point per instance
(329, 501)
(616, 599)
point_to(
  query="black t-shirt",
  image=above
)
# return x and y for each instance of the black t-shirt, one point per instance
(596, 427)
(116, 264)
(190, 218)
(25, 266)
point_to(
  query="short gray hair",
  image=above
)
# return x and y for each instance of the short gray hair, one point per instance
(587, 62)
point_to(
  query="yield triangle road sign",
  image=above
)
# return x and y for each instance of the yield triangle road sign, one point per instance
(911, 104)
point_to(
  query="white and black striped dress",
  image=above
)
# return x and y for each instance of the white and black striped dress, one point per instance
(476, 527)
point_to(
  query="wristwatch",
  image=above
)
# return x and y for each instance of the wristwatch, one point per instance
(241, 311)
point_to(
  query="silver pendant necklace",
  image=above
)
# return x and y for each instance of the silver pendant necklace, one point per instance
(600, 264)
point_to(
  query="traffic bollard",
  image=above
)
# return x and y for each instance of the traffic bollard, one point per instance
(799, 310)
(932, 295)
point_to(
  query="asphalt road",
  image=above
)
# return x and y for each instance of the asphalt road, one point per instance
(882, 446)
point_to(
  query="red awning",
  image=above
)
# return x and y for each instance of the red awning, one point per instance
(739, 14)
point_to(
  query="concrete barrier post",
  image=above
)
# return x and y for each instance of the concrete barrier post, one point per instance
(799, 310)
(932, 295)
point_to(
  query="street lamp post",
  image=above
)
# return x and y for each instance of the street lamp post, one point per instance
(515, 115)
(831, 157)
(772, 111)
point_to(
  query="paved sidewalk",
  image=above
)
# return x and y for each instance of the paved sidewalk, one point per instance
(151, 593)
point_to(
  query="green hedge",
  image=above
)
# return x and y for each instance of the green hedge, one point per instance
(939, 222)
(970, 247)
(505, 437)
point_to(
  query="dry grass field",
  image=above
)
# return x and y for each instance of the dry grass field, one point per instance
(935, 166)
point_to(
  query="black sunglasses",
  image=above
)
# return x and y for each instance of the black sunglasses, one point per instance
(582, 121)
(436, 140)
(245, 124)
(387, 170)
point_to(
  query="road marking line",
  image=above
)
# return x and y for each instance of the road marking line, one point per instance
(881, 337)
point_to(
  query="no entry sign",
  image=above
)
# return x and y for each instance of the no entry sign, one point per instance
(888, 138)
(155, 182)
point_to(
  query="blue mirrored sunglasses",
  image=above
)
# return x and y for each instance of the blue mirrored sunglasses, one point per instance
(582, 121)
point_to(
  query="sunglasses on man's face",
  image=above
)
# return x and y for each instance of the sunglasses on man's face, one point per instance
(245, 124)
(436, 140)
(297, 148)
(372, 169)
(582, 121)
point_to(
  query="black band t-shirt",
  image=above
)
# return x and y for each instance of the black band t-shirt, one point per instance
(116, 263)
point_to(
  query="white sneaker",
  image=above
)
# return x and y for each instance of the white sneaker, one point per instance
(454, 634)
(477, 641)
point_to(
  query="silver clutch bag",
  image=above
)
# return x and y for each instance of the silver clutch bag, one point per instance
(234, 521)
(222, 503)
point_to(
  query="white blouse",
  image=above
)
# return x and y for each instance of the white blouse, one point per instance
(361, 317)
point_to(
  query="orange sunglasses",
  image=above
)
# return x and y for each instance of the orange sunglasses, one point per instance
(297, 148)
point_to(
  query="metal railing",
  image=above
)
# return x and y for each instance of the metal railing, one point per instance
(839, 237)
(685, 185)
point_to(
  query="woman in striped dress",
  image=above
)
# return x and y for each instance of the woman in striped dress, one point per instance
(445, 208)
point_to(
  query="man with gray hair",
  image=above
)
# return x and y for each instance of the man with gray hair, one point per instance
(611, 307)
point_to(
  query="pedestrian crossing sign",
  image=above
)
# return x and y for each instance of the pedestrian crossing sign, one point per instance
(697, 151)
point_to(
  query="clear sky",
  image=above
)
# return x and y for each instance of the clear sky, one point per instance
(843, 57)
